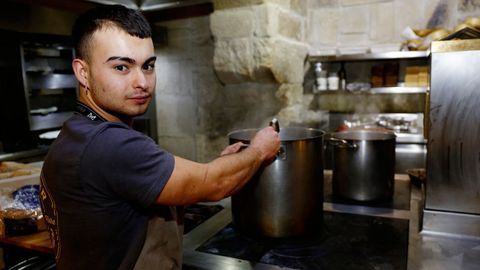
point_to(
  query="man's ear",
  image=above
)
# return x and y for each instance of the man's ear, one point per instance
(80, 68)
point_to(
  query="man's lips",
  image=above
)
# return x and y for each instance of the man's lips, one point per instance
(140, 99)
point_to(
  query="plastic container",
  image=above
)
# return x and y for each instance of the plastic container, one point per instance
(333, 81)
(320, 78)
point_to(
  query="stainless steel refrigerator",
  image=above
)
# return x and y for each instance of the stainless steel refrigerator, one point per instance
(452, 202)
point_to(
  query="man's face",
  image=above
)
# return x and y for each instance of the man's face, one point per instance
(121, 72)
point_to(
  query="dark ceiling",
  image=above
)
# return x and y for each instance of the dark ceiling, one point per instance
(154, 10)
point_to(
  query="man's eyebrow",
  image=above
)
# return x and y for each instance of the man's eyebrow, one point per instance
(125, 59)
(129, 60)
(153, 58)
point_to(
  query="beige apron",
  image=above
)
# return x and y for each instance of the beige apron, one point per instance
(163, 244)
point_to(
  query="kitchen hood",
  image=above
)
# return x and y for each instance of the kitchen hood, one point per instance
(151, 5)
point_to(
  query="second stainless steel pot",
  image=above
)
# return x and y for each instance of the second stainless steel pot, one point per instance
(363, 165)
(284, 198)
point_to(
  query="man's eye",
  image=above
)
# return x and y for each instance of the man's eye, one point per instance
(121, 68)
(149, 66)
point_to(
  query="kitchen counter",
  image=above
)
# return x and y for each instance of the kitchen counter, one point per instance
(39, 241)
(425, 252)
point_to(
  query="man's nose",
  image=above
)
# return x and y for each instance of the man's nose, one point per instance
(140, 79)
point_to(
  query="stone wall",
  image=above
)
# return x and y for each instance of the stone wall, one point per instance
(245, 63)
(264, 42)
(363, 24)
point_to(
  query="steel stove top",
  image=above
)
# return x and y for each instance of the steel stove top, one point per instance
(345, 241)
(353, 236)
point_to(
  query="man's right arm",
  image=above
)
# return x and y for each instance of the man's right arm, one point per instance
(193, 182)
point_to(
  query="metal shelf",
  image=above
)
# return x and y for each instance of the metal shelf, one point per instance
(380, 90)
(398, 55)
(49, 121)
(398, 90)
(52, 81)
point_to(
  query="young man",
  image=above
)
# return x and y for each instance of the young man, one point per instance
(108, 192)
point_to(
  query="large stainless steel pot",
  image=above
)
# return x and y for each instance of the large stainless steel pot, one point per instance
(363, 164)
(284, 198)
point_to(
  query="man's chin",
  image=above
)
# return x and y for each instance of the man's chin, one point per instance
(139, 113)
(131, 114)
(139, 109)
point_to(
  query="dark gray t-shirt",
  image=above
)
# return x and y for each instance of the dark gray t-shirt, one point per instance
(98, 183)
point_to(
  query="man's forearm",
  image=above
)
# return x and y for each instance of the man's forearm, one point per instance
(231, 172)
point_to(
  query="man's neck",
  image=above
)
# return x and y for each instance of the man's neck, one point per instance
(87, 100)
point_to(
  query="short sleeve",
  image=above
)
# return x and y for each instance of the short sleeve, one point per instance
(127, 163)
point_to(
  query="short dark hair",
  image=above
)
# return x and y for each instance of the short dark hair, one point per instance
(129, 20)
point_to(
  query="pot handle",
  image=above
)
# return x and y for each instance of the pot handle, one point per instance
(282, 155)
(274, 123)
(341, 142)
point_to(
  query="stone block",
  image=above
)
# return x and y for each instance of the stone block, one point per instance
(212, 121)
(263, 54)
(354, 19)
(233, 60)
(179, 38)
(353, 42)
(323, 26)
(468, 6)
(347, 3)
(290, 94)
(249, 94)
(176, 115)
(183, 146)
(440, 13)
(282, 3)
(244, 60)
(409, 13)
(235, 23)
(290, 25)
(316, 4)
(382, 23)
(174, 76)
(266, 17)
(201, 36)
(249, 105)
(264, 60)
(230, 4)
(287, 65)
(272, 20)
(202, 56)
(207, 87)
(299, 6)
(200, 24)
(208, 148)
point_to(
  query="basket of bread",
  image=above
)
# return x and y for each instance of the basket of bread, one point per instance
(420, 39)
(20, 211)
